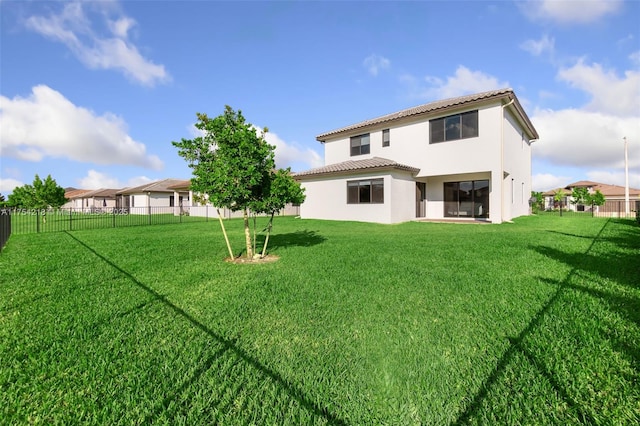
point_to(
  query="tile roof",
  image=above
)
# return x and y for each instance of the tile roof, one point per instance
(182, 184)
(606, 189)
(164, 185)
(75, 193)
(436, 106)
(374, 163)
(102, 192)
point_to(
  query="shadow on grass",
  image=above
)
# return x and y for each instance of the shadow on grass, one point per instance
(517, 346)
(621, 268)
(304, 238)
(228, 345)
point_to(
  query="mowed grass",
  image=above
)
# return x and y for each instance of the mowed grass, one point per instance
(535, 322)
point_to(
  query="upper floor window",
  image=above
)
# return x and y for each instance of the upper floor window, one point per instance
(385, 137)
(360, 145)
(453, 127)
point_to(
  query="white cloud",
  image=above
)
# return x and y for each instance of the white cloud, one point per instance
(8, 185)
(98, 180)
(292, 155)
(114, 51)
(586, 139)
(463, 82)
(609, 92)
(545, 181)
(376, 63)
(614, 178)
(635, 58)
(46, 124)
(570, 12)
(537, 47)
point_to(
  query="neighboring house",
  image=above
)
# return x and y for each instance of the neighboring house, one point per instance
(92, 200)
(154, 197)
(71, 195)
(614, 197)
(206, 209)
(465, 158)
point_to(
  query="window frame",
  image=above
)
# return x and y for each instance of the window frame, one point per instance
(386, 142)
(438, 131)
(478, 196)
(360, 149)
(365, 191)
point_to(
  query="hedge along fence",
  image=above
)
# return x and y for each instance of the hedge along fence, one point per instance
(5, 228)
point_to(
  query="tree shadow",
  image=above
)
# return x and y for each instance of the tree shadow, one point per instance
(305, 238)
(517, 345)
(628, 239)
(621, 268)
(226, 346)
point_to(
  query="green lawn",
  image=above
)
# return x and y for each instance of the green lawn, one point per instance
(536, 322)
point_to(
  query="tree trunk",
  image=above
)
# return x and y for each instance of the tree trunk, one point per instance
(266, 239)
(247, 234)
(224, 232)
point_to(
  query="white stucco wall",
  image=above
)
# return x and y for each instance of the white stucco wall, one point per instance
(327, 199)
(517, 162)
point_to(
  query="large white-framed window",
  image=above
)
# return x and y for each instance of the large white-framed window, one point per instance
(454, 127)
(366, 191)
(360, 145)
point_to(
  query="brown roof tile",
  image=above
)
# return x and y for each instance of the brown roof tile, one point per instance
(76, 193)
(606, 189)
(433, 107)
(374, 163)
(164, 185)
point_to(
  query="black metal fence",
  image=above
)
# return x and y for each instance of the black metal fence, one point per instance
(611, 208)
(5, 228)
(28, 221)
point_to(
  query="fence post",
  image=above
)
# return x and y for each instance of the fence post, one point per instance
(38, 220)
(70, 219)
(114, 216)
(206, 213)
(592, 212)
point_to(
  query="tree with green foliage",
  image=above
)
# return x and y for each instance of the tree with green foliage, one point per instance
(580, 196)
(234, 167)
(40, 195)
(558, 195)
(279, 189)
(597, 198)
(538, 203)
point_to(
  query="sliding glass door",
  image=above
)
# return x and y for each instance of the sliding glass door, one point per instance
(466, 199)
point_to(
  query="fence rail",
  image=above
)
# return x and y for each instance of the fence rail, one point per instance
(29, 221)
(611, 208)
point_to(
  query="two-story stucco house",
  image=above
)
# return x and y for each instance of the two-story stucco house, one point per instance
(465, 158)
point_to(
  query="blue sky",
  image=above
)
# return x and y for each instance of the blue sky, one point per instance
(93, 93)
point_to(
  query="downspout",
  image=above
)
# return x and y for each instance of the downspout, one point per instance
(502, 177)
